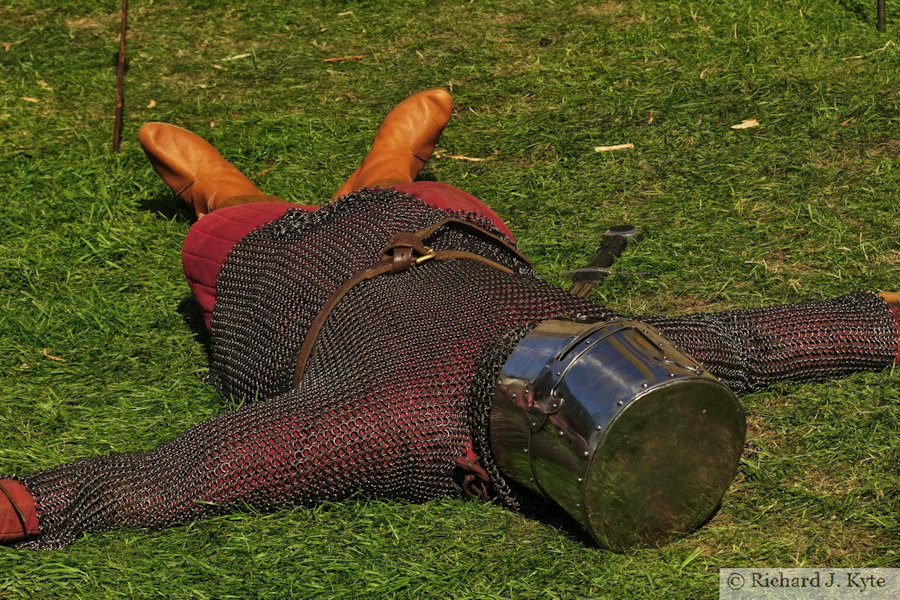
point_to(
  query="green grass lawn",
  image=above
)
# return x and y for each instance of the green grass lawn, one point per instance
(100, 342)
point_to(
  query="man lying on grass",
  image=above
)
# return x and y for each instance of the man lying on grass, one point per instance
(395, 343)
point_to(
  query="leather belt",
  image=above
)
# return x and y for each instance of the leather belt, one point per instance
(404, 251)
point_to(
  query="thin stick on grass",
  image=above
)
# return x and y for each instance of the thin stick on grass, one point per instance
(340, 58)
(628, 146)
(120, 79)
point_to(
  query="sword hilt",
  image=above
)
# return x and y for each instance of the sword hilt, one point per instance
(617, 239)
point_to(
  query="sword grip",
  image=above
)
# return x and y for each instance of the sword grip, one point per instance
(616, 242)
(609, 252)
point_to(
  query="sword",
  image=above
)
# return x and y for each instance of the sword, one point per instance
(585, 279)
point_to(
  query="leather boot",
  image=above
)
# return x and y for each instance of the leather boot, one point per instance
(18, 518)
(892, 299)
(194, 170)
(404, 142)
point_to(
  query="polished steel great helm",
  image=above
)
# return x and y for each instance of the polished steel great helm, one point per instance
(629, 435)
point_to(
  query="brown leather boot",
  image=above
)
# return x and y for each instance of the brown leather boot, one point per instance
(194, 170)
(892, 299)
(404, 141)
(18, 518)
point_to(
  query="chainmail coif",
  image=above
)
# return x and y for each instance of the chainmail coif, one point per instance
(398, 384)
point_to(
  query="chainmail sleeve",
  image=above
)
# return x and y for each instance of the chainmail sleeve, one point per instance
(296, 449)
(752, 349)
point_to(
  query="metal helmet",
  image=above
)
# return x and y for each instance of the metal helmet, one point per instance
(628, 434)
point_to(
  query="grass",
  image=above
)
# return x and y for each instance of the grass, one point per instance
(99, 340)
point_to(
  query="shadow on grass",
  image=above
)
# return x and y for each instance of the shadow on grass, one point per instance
(569, 527)
(563, 523)
(865, 11)
(168, 207)
(427, 175)
(552, 515)
(193, 318)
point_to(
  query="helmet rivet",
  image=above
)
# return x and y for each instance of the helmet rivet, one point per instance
(620, 403)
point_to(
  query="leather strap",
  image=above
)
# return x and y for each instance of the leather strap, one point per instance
(404, 251)
(424, 233)
(475, 478)
(401, 249)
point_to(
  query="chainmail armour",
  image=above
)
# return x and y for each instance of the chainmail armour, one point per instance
(398, 385)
